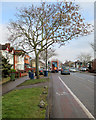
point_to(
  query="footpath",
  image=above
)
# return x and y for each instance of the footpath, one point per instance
(12, 84)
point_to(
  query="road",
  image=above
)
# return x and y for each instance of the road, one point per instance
(72, 95)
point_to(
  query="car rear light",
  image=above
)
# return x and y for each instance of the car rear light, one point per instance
(41, 71)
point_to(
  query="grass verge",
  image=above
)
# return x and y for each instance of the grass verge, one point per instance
(33, 81)
(24, 103)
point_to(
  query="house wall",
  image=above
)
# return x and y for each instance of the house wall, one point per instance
(19, 62)
(33, 63)
(94, 65)
(26, 59)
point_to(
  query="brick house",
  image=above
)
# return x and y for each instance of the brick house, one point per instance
(19, 59)
(26, 61)
(8, 53)
(94, 65)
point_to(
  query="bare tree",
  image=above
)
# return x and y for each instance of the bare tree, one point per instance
(93, 45)
(84, 58)
(50, 53)
(40, 26)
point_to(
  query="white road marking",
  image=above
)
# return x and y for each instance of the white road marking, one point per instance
(79, 102)
(62, 93)
(57, 93)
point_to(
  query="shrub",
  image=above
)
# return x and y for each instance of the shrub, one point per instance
(5, 67)
(12, 70)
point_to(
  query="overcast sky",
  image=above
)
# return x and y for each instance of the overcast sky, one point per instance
(68, 52)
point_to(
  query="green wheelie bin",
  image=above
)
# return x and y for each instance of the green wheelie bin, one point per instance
(12, 76)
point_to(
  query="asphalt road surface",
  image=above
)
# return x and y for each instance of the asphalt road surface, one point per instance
(72, 95)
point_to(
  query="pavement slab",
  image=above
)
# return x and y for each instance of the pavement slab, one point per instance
(12, 84)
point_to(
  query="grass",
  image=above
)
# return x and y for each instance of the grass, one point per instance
(24, 103)
(34, 81)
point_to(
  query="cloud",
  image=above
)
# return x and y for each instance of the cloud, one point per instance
(72, 49)
(3, 34)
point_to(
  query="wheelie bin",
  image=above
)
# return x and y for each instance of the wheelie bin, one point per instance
(31, 75)
(12, 76)
(45, 73)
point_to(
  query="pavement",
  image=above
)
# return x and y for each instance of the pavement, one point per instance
(12, 84)
(7, 87)
(32, 86)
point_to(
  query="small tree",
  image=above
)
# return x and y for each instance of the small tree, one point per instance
(39, 27)
(6, 67)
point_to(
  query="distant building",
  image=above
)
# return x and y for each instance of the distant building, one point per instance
(78, 64)
(41, 64)
(32, 63)
(69, 63)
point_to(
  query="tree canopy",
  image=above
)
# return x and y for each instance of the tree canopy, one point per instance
(84, 57)
(39, 27)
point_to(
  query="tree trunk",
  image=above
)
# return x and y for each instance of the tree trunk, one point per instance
(37, 66)
(46, 58)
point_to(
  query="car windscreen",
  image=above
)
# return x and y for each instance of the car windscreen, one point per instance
(66, 68)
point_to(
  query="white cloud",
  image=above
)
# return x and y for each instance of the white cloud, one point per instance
(72, 49)
(3, 34)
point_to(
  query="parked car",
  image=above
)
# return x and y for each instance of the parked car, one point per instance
(41, 71)
(65, 71)
(83, 69)
(73, 70)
